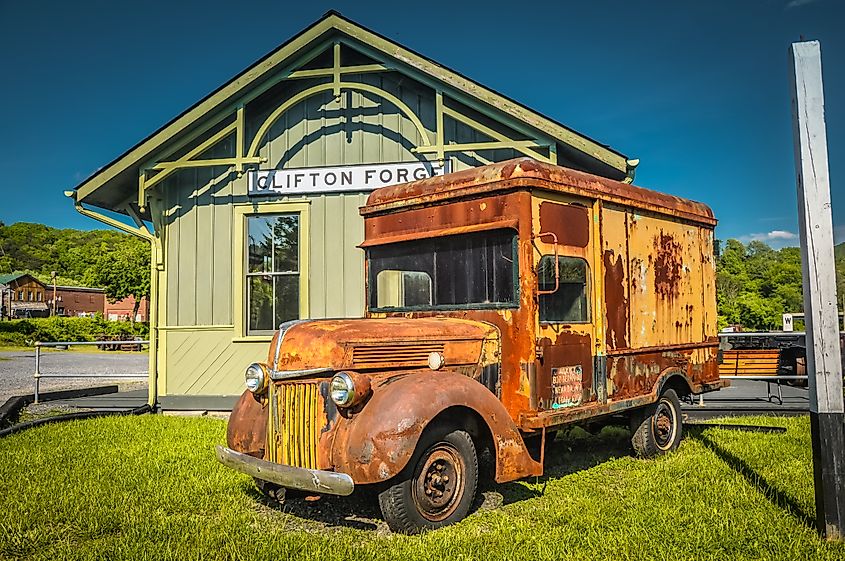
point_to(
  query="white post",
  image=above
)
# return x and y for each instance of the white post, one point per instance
(824, 366)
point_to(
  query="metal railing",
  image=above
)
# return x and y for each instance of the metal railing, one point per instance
(38, 375)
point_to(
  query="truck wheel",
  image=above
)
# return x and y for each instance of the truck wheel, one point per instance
(657, 429)
(438, 485)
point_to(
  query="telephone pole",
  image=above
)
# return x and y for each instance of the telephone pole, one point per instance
(821, 317)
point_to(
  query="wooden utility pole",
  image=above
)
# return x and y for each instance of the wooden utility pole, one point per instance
(824, 363)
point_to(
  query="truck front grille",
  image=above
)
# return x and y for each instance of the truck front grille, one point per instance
(386, 356)
(295, 422)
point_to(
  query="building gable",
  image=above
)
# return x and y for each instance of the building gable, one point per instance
(335, 60)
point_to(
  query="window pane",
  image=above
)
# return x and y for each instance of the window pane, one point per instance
(467, 269)
(403, 289)
(260, 244)
(287, 298)
(273, 242)
(260, 300)
(569, 302)
(286, 243)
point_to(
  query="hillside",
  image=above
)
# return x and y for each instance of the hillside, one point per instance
(839, 251)
(40, 249)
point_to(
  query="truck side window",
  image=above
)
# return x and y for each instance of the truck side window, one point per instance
(569, 303)
(403, 289)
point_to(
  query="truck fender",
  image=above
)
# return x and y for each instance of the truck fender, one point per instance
(247, 428)
(377, 442)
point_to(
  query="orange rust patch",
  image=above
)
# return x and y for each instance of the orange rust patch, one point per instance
(570, 223)
(616, 301)
(667, 266)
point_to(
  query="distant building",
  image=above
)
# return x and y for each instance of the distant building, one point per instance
(23, 296)
(122, 310)
(78, 300)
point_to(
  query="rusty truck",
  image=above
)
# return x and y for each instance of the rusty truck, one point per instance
(504, 302)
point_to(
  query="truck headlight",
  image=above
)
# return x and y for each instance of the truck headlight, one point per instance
(348, 389)
(342, 389)
(256, 377)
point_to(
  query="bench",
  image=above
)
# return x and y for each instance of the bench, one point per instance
(750, 362)
(754, 363)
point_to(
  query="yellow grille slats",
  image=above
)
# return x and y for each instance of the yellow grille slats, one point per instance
(396, 355)
(297, 422)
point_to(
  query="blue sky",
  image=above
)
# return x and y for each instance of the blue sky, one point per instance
(699, 92)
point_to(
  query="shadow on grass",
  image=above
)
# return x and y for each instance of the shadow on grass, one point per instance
(573, 451)
(772, 493)
(359, 511)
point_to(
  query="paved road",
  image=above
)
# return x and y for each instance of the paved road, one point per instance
(17, 368)
(751, 397)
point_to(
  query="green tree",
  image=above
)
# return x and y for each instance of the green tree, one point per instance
(756, 284)
(124, 271)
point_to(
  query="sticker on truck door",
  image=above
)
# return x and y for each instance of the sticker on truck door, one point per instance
(566, 386)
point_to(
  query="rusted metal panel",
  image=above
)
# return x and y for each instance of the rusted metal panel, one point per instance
(634, 373)
(667, 284)
(379, 343)
(445, 219)
(376, 443)
(526, 172)
(247, 430)
(565, 349)
(617, 280)
(569, 222)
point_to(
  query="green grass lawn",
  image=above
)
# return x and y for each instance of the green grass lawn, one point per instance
(149, 488)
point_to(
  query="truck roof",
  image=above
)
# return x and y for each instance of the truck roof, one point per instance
(528, 173)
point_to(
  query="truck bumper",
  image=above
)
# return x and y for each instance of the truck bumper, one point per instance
(313, 480)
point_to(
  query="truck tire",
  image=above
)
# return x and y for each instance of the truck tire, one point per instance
(437, 487)
(658, 428)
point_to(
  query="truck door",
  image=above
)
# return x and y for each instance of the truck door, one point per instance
(564, 234)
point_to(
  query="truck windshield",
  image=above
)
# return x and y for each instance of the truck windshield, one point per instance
(476, 270)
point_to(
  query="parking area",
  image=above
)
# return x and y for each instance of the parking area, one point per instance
(751, 397)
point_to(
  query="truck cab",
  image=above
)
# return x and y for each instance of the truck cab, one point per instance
(503, 303)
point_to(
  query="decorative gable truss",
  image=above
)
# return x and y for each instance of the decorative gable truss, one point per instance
(236, 135)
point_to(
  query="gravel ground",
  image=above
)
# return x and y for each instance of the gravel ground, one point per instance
(17, 368)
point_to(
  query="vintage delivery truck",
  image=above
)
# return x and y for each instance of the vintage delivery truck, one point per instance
(504, 302)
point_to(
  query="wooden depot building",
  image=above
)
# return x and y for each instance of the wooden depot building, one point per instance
(250, 197)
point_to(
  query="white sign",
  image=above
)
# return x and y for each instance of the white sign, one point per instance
(342, 178)
(787, 322)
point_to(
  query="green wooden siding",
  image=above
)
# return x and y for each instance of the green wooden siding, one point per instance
(208, 362)
(199, 224)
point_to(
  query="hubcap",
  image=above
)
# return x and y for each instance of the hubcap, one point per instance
(664, 425)
(438, 483)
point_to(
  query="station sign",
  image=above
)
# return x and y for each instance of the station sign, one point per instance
(341, 178)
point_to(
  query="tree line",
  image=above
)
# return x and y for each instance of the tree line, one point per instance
(755, 283)
(116, 262)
